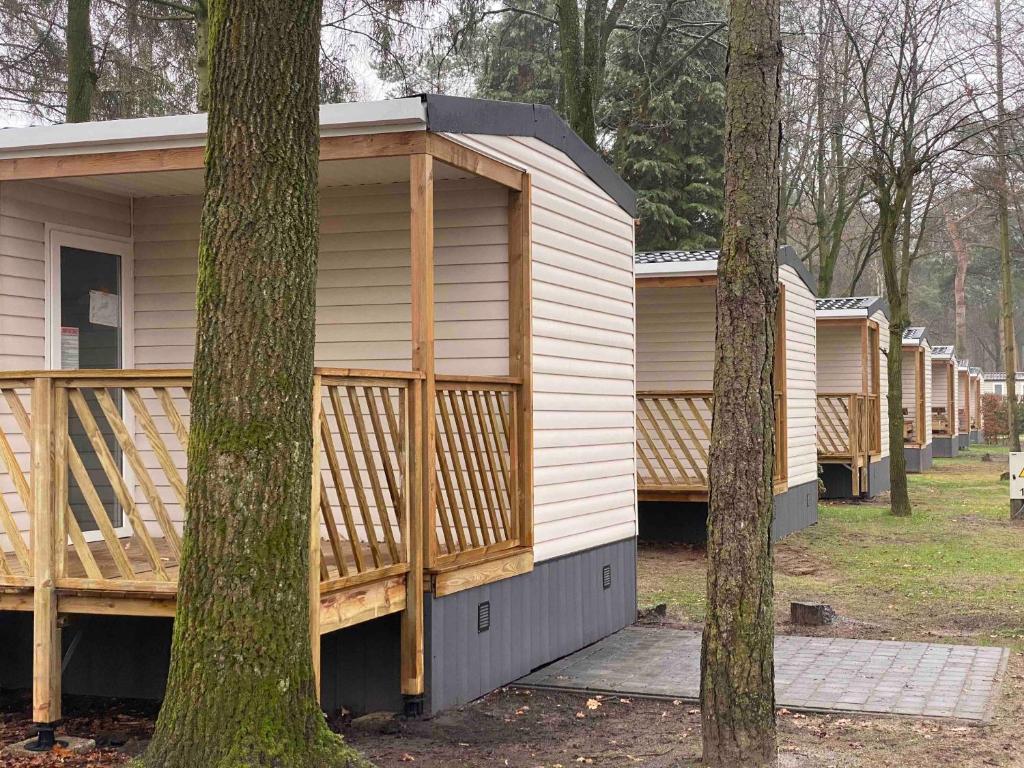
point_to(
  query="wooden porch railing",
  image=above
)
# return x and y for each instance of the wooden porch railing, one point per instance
(674, 440)
(109, 450)
(848, 425)
(940, 421)
(478, 506)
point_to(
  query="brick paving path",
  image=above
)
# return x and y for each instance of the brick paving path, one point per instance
(812, 673)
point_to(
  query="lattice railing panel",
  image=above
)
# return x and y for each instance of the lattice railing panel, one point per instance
(475, 464)
(364, 439)
(15, 479)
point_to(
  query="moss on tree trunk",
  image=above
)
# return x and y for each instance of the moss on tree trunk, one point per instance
(737, 674)
(241, 685)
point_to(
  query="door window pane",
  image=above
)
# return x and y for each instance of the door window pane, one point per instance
(90, 328)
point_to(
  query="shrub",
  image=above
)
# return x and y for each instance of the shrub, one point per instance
(993, 411)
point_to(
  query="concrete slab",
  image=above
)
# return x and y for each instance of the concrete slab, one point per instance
(811, 673)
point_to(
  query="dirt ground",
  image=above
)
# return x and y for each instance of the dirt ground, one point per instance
(953, 573)
(523, 729)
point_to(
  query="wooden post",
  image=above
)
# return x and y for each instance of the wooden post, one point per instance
(421, 497)
(854, 436)
(520, 355)
(47, 538)
(314, 538)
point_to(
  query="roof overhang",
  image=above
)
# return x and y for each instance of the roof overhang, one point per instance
(787, 257)
(179, 137)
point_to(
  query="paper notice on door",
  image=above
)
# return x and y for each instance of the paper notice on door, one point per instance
(68, 348)
(104, 308)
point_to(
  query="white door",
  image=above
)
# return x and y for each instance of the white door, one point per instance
(88, 318)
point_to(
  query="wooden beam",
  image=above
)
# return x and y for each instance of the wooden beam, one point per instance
(363, 603)
(420, 528)
(520, 355)
(47, 536)
(695, 495)
(108, 605)
(354, 147)
(17, 601)
(677, 281)
(504, 567)
(315, 555)
(470, 160)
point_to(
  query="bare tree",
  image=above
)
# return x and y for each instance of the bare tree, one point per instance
(915, 110)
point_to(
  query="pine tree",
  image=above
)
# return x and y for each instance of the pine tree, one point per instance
(241, 686)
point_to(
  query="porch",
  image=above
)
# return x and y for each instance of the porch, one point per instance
(849, 431)
(93, 477)
(422, 472)
(674, 441)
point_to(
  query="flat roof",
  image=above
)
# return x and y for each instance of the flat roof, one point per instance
(851, 306)
(944, 352)
(427, 112)
(678, 263)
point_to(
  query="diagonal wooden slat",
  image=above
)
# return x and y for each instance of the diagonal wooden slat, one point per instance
(10, 526)
(447, 504)
(145, 480)
(476, 537)
(492, 451)
(339, 488)
(17, 407)
(353, 470)
(371, 471)
(171, 413)
(97, 510)
(117, 482)
(156, 442)
(386, 457)
(81, 546)
(10, 460)
(473, 426)
(697, 475)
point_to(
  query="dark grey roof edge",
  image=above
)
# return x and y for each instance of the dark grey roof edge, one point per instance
(459, 114)
(879, 305)
(923, 338)
(788, 257)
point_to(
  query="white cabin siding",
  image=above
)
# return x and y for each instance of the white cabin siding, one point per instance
(839, 358)
(883, 378)
(584, 375)
(363, 283)
(26, 209)
(928, 393)
(801, 385)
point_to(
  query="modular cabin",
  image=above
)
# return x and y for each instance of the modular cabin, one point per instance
(945, 399)
(917, 400)
(852, 420)
(977, 425)
(965, 404)
(676, 319)
(994, 383)
(474, 498)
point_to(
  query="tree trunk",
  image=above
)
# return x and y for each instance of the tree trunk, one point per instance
(202, 16)
(959, 284)
(737, 658)
(81, 67)
(890, 210)
(240, 691)
(1009, 336)
(577, 85)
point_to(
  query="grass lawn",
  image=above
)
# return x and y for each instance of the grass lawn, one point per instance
(954, 571)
